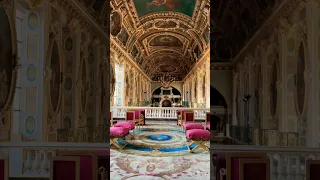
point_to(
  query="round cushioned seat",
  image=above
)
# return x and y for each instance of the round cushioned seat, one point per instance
(208, 126)
(129, 125)
(119, 131)
(198, 134)
(189, 126)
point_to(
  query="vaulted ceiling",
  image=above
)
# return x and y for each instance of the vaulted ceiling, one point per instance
(234, 22)
(162, 35)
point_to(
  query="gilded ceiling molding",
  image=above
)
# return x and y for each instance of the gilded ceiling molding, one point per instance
(179, 17)
(200, 62)
(285, 8)
(115, 46)
(157, 32)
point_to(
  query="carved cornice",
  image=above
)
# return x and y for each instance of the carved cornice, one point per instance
(284, 10)
(119, 50)
(202, 60)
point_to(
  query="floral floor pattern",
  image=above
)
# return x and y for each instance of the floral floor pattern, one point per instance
(161, 156)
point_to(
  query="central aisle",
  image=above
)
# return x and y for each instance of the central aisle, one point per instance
(158, 151)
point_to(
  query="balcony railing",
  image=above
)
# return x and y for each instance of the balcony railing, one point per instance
(286, 163)
(32, 159)
(158, 112)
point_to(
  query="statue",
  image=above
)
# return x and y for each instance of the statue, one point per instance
(221, 126)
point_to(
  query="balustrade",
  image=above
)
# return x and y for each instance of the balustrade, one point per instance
(286, 163)
(33, 159)
(159, 112)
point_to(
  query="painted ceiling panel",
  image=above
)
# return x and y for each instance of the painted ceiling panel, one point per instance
(145, 7)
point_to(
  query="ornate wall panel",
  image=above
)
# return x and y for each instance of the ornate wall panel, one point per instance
(8, 73)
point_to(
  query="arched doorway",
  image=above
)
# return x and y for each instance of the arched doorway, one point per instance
(158, 96)
(166, 103)
(216, 98)
(219, 112)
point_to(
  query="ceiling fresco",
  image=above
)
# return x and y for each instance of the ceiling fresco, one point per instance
(163, 36)
(145, 7)
(166, 40)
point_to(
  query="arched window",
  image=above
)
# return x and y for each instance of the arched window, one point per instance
(119, 85)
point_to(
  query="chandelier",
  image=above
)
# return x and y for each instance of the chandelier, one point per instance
(166, 80)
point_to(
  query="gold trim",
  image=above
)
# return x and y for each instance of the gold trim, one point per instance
(308, 164)
(254, 161)
(65, 158)
(84, 153)
(248, 155)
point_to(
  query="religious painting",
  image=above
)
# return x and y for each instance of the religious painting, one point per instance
(166, 40)
(206, 35)
(134, 52)
(165, 24)
(115, 23)
(300, 83)
(84, 85)
(7, 59)
(145, 7)
(123, 36)
(147, 26)
(56, 76)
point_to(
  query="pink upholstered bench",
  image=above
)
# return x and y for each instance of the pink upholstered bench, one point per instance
(198, 137)
(208, 127)
(189, 126)
(126, 124)
(118, 133)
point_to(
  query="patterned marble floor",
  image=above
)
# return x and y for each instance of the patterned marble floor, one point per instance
(125, 165)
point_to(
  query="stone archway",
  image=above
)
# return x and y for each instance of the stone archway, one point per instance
(217, 99)
(166, 102)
